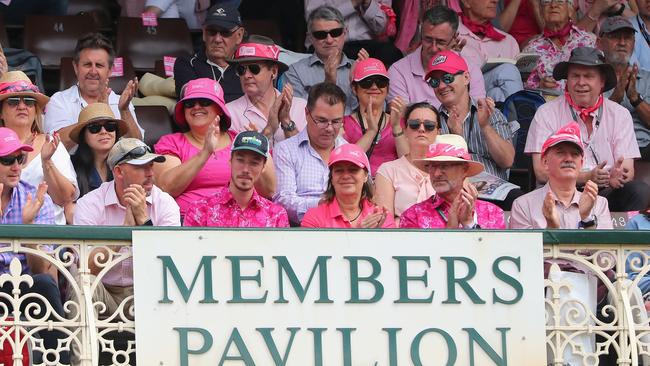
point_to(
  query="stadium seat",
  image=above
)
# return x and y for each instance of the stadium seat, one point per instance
(67, 78)
(264, 27)
(144, 45)
(99, 10)
(53, 37)
(4, 38)
(155, 120)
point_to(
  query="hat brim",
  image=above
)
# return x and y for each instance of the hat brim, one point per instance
(145, 159)
(582, 150)
(282, 67)
(474, 166)
(122, 127)
(22, 147)
(561, 71)
(179, 113)
(385, 76)
(41, 99)
(248, 148)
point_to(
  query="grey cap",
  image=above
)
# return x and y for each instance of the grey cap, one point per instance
(612, 24)
(131, 151)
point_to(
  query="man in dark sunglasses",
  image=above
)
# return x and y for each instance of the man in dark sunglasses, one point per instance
(484, 127)
(222, 34)
(327, 32)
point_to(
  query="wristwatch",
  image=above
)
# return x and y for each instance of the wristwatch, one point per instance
(588, 222)
(289, 127)
(635, 103)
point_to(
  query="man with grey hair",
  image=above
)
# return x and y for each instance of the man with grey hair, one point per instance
(632, 89)
(327, 32)
(438, 33)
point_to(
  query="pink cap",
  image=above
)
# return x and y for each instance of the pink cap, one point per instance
(567, 133)
(447, 61)
(258, 51)
(202, 88)
(351, 153)
(369, 67)
(10, 143)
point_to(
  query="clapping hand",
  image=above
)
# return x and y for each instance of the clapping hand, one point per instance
(33, 204)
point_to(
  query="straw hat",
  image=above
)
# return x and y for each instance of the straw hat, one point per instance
(17, 84)
(452, 148)
(97, 112)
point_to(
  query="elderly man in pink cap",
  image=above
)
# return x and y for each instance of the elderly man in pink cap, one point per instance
(558, 204)
(455, 204)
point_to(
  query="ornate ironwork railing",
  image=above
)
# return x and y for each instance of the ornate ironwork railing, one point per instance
(595, 306)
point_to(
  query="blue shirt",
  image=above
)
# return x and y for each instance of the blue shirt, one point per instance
(641, 54)
(638, 222)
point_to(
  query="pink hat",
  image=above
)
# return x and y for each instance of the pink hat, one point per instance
(447, 61)
(259, 48)
(351, 153)
(369, 67)
(567, 133)
(450, 148)
(10, 143)
(202, 88)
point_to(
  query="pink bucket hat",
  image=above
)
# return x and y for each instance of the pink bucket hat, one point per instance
(450, 148)
(351, 153)
(369, 67)
(567, 133)
(202, 88)
(447, 61)
(259, 48)
(10, 143)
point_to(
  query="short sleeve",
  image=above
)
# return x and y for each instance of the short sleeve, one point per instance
(169, 145)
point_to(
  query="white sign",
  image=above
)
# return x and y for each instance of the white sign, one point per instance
(339, 298)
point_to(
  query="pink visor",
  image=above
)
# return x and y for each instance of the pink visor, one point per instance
(568, 133)
(203, 88)
(10, 143)
(351, 153)
(258, 51)
(369, 67)
(446, 61)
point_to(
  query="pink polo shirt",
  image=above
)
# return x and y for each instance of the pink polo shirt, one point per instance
(527, 211)
(407, 81)
(329, 215)
(613, 138)
(427, 215)
(243, 112)
(478, 50)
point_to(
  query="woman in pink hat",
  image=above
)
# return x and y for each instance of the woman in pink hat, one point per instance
(378, 133)
(21, 110)
(347, 202)
(197, 160)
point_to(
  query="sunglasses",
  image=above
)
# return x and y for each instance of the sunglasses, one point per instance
(203, 102)
(253, 68)
(11, 159)
(320, 35)
(446, 78)
(136, 153)
(367, 82)
(224, 33)
(415, 124)
(94, 128)
(15, 101)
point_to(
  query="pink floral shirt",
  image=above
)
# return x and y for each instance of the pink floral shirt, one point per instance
(222, 210)
(551, 55)
(426, 215)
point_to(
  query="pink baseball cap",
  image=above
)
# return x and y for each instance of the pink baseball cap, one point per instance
(567, 133)
(10, 143)
(447, 61)
(203, 88)
(369, 67)
(351, 153)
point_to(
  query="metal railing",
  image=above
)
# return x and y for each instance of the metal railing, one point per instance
(594, 308)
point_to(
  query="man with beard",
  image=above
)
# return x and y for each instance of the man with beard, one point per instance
(222, 34)
(605, 126)
(633, 84)
(558, 204)
(93, 63)
(238, 204)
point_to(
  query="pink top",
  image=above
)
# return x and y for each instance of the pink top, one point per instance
(613, 138)
(551, 55)
(384, 149)
(527, 211)
(328, 215)
(214, 174)
(407, 81)
(411, 185)
(478, 50)
(243, 112)
(222, 210)
(101, 207)
(425, 215)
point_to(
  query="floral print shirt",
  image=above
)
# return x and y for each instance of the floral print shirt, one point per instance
(433, 213)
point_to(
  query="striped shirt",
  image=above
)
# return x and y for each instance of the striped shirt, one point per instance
(476, 142)
(13, 214)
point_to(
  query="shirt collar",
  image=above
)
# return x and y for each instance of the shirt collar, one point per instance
(225, 197)
(334, 210)
(416, 62)
(313, 59)
(574, 201)
(472, 107)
